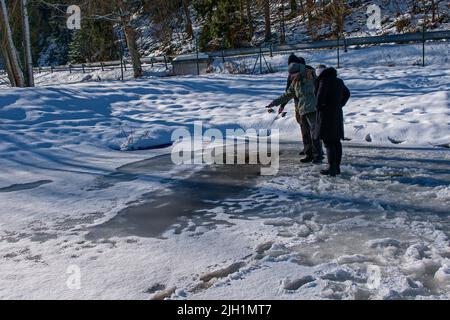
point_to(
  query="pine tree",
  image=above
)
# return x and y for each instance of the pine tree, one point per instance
(76, 54)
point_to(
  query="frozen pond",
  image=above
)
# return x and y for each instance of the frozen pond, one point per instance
(388, 212)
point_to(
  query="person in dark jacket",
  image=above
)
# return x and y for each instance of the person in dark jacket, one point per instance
(332, 95)
(305, 128)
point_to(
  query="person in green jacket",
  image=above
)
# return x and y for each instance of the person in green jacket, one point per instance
(303, 89)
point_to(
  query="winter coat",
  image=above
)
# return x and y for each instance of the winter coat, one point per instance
(332, 95)
(302, 86)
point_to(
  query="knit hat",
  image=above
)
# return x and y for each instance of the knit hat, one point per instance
(294, 68)
(294, 59)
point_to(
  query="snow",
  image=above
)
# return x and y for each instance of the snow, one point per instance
(72, 194)
(189, 57)
(296, 29)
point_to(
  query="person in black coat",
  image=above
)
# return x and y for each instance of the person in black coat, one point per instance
(332, 95)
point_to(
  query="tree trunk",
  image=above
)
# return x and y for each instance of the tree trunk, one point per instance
(6, 60)
(28, 59)
(433, 10)
(241, 12)
(293, 4)
(250, 19)
(189, 30)
(302, 9)
(282, 26)
(11, 57)
(309, 8)
(268, 31)
(130, 35)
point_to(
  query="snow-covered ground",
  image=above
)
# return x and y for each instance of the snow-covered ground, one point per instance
(138, 226)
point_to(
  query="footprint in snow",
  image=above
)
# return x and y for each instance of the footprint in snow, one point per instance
(396, 141)
(293, 285)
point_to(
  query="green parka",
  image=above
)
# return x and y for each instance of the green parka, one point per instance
(302, 88)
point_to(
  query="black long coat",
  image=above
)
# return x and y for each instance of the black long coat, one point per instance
(332, 95)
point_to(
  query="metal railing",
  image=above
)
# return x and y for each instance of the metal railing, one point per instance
(330, 44)
(419, 37)
(84, 67)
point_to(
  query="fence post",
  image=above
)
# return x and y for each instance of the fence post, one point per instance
(82, 66)
(103, 67)
(260, 60)
(121, 67)
(51, 67)
(423, 45)
(271, 50)
(70, 68)
(338, 53)
(165, 62)
(223, 50)
(196, 48)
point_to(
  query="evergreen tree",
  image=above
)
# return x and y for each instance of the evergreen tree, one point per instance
(76, 52)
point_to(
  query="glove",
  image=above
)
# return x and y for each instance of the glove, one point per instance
(270, 108)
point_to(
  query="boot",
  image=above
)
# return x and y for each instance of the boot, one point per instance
(302, 153)
(331, 171)
(317, 161)
(308, 159)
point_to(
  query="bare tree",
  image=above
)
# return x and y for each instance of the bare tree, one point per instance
(249, 18)
(9, 50)
(293, 5)
(130, 35)
(335, 13)
(267, 20)
(282, 23)
(28, 59)
(189, 30)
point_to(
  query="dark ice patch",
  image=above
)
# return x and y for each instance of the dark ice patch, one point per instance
(25, 186)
